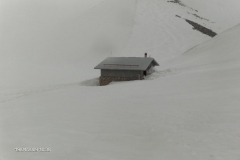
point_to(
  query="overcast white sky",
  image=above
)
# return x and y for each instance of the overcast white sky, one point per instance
(31, 26)
(37, 33)
(52, 29)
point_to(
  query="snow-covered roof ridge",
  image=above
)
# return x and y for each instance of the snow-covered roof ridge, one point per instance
(127, 63)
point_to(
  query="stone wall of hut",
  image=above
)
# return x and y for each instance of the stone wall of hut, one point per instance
(106, 80)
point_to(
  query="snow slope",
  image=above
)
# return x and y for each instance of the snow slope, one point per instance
(159, 32)
(188, 109)
(189, 114)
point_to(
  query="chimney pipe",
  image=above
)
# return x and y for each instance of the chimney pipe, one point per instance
(145, 55)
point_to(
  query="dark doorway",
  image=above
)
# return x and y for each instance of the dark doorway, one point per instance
(144, 73)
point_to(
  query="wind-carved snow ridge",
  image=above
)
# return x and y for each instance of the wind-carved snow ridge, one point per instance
(90, 82)
(168, 72)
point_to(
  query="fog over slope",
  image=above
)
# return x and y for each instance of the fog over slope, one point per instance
(50, 42)
(187, 109)
(54, 40)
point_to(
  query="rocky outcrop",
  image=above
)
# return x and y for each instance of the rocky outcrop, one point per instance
(202, 29)
(178, 2)
(182, 4)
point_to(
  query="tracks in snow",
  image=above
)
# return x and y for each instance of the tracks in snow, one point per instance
(91, 82)
(13, 96)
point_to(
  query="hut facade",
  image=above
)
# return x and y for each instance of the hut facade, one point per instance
(124, 68)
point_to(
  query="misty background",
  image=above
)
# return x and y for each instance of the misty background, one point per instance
(54, 38)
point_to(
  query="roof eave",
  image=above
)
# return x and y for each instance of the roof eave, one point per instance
(121, 69)
(156, 64)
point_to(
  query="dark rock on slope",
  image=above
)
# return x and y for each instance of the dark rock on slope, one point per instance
(202, 29)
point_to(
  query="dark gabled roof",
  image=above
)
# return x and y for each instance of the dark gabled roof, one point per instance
(126, 63)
